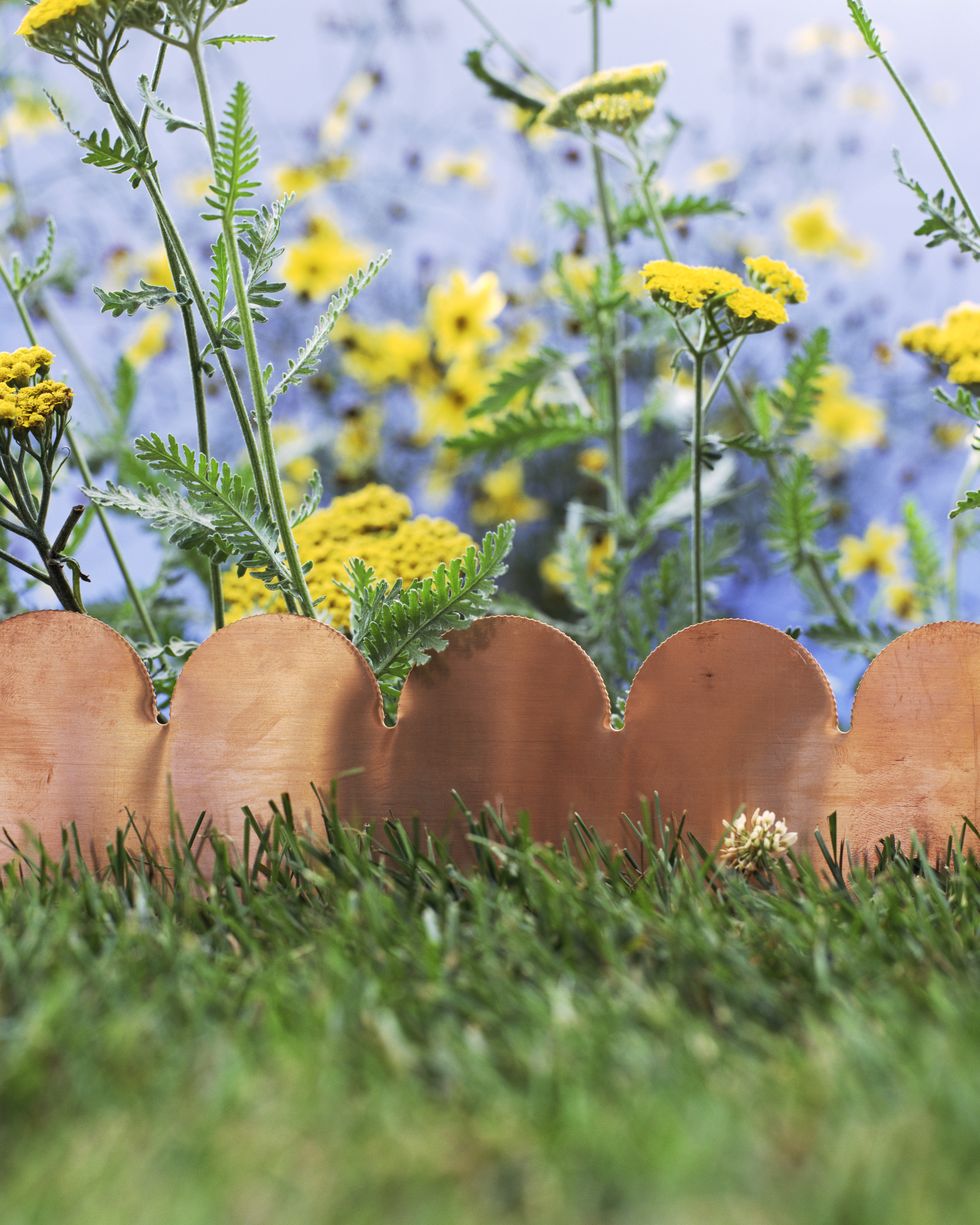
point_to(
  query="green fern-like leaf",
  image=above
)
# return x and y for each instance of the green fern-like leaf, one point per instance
(861, 18)
(796, 515)
(799, 395)
(22, 275)
(945, 220)
(156, 106)
(527, 430)
(213, 512)
(128, 301)
(307, 362)
(397, 628)
(924, 554)
(235, 160)
(522, 380)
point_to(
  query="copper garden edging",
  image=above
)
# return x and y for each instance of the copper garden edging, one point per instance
(513, 713)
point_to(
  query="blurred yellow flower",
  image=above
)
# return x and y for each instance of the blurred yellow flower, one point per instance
(715, 172)
(578, 272)
(358, 443)
(336, 126)
(524, 253)
(443, 411)
(555, 571)
(151, 340)
(461, 314)
(320, 263)
(27, 117)
(502, 496)
(301, 181)
(471, 168)
(195, 186)
(389, 353)
(823, 36)
(593, 461)
(876, 552)
(842, 421)
(813, 229)
(902, 600)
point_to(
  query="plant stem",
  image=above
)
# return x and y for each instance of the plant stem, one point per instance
(81, 463)
(260, 401)
(612, 363)
(697, 525)
(879, 54)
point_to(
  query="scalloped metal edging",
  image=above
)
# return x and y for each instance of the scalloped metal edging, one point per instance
(513, 713)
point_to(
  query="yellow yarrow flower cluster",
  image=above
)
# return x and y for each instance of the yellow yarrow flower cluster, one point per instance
(616, 113)
(374, 524)
(683, 288)
(777, 278)
(641, 79)
(26, 404)
(954, 342)
(46, 13)
(54, 25)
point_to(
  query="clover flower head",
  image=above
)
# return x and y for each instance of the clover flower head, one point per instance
(595, 94)
(752, 844)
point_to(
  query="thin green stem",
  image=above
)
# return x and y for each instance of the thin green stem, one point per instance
(879, 54)
(504, 43)
(260, 399)
(26, 567)
(697, 513)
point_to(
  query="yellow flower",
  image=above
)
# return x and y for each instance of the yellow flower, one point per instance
(151, 340)
(840, 40)
(616, 113)
(874, 553)
(301, 181)
(954, 341)
(902, 600)
(461, 314)
(778, 278)
(47, 12)
(320, 263)
(695, 288)
(337, 124)
(576, 272)
(374, 524)
(28, 116)
(19, 367)
(471, 168)
(719, 170)
(358, 443)
(555, 571)
(502, 496)
(813, 229)
(26, 404)
(378, 356)
(525, 254)
(443, 411)
(842, 421)
(563, 110)
(593, 461)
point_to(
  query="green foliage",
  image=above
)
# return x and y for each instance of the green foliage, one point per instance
(128, 301)
(212, 511)
(796, 513)
(236, 157)
(963, 402)
(527, 430)
(866, 640)
(234, 40)
(307, 362)
(160, 110)
(398, 627)
(797, 398)
(258, 239)
(522, 380)
(945, 219)
(862, 20)
(924, 553)
(24, 277)
(474, 61)
(968, 501)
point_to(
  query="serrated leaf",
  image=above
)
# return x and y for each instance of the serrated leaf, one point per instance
(307, 362)
(522, 379)
(160, 109)
(128, 301)
(945, 219)
(236, 157)
(527, 430)
(969, 501)
(796, 515)
(234, 40)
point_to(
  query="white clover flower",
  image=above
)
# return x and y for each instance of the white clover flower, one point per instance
(752, 844)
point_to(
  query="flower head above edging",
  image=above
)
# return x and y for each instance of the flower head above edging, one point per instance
(513, 713)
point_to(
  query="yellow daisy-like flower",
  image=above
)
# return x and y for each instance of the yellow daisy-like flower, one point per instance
(322, 262)
(151, 340)
(644, 79)
(903, 601)
(443, 411)
(842, 421)
(876, 552)
(358, 443)
(374, 524)
(691, 288)
(380, 356)
(502, 496)
(814, 229)
(555, 571)
(778, 278)
(461, 315)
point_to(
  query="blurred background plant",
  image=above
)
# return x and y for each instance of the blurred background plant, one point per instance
(511, 364)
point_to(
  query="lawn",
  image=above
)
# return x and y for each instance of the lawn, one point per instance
(548, 1036)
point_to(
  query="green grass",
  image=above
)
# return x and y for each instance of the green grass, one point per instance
(334, 1036)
